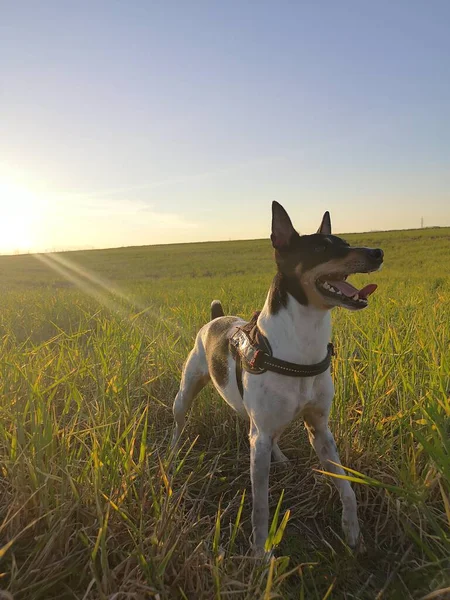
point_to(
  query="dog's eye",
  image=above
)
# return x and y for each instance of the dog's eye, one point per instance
(320, 248)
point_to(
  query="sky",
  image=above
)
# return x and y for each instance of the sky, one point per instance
(148, 122)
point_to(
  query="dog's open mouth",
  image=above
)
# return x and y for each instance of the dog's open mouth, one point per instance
(335, 286)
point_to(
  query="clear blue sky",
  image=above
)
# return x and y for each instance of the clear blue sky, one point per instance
(148, 122)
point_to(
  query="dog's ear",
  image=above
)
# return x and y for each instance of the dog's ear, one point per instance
(282, 228)
(325, 226)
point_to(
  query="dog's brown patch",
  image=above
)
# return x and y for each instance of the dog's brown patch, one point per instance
(216, 347)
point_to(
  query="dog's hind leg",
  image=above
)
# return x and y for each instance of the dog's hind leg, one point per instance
(277, 455)
(323, 442)
(194, 378)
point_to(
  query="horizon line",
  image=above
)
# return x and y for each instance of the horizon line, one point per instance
(96, 249)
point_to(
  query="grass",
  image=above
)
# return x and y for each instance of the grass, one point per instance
(92, 504)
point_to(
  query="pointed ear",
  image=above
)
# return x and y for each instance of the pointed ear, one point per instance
(282, 229)
(325, 226)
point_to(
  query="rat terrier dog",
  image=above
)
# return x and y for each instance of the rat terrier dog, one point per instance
(273, 369)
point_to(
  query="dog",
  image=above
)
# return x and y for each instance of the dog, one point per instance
(295, 328)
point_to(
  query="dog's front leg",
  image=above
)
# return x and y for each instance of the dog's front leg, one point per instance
(260, 451)
(323, 442)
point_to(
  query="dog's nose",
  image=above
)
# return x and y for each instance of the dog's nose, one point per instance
(376, 254)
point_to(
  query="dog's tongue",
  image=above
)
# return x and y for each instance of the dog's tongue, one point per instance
(349, 290)
(367, 290)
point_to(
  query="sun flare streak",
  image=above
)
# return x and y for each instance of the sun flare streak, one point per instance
(105, 292)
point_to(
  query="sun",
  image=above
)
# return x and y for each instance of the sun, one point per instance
(18, 216)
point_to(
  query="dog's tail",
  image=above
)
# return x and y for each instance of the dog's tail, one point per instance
(216, 309)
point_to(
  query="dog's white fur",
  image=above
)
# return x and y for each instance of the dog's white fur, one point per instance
(271, 401)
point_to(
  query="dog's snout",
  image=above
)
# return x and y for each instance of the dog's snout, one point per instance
(376, 253)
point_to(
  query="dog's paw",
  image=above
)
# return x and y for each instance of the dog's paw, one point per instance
(360, 547)
(350, 526)
(262, 554)
(280, 460)
(357, 546)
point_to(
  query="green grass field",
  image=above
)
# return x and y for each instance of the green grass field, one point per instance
(94, 507)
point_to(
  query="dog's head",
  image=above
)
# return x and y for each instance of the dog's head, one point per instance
(316, 266)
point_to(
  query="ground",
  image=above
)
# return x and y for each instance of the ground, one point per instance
(94, 506)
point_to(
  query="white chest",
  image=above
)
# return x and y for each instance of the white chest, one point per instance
(297, 333)
(300, 335)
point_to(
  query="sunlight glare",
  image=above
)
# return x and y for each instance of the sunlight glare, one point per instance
(19, 212)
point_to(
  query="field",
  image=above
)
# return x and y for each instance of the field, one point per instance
(92, 504)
